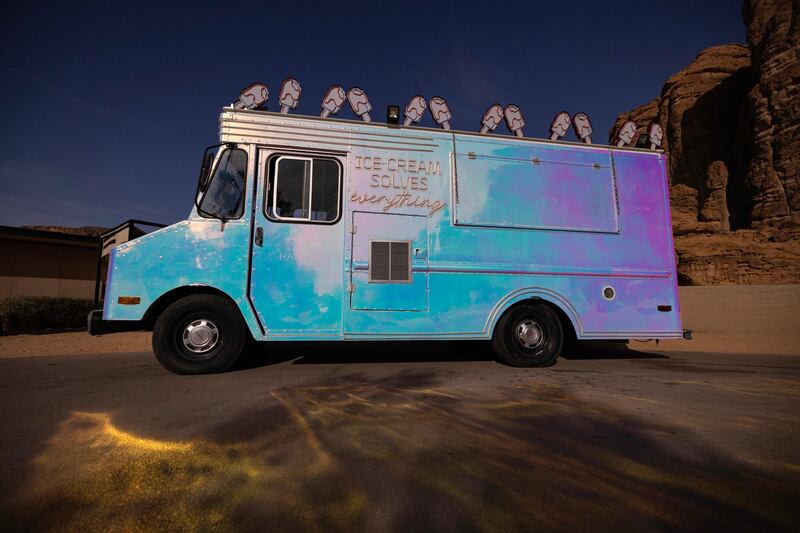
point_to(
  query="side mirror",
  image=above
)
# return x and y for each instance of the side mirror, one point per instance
(205, 170)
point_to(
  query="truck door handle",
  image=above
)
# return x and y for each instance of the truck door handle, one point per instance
(259, 236)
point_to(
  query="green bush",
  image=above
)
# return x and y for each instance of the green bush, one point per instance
(23, 313)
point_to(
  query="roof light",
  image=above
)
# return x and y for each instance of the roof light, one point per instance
(514, 119)
(415, 110)
(333, 101)
(360, 103)
(626, 132)
(290, 94)
(252, 96)
(393, 114)
(583, 127)
(440, 112)
(559, 126)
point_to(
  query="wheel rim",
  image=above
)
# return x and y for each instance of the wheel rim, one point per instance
(529, 334)
(200, 336)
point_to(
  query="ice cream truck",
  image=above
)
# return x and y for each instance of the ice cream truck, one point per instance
(319, 228)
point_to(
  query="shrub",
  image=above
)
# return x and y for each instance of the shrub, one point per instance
(21, 313)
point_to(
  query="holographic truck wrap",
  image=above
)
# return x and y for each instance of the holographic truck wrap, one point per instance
(483, 221)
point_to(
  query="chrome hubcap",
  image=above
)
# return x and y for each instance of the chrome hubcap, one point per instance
(529, 334)
(200, 336)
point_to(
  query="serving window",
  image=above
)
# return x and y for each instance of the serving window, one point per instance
(304, 189)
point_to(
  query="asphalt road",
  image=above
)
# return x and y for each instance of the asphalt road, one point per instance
(401, 437)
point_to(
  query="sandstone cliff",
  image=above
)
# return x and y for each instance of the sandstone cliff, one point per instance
(773, 33)
(731, 124)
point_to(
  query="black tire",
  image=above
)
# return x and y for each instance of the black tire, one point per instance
(213, 343)
(527, 335)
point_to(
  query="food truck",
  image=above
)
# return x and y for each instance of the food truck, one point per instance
(318, 228)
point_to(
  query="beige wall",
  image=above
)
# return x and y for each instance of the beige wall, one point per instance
(33, 268)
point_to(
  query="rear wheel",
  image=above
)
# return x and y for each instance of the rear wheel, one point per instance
(529, 334)
(199, 334)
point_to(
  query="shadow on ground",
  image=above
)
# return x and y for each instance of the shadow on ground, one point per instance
(397, 453)
(303, 353)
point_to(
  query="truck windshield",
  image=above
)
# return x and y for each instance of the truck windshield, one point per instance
(224, 196)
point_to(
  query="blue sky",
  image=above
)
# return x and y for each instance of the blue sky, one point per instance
(107, 106)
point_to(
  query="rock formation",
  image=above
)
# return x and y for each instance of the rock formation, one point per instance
(731, 123)
(773, 33)
(701, 111)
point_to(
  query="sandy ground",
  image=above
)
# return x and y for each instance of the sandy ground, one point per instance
(413, 436)
(732, 319)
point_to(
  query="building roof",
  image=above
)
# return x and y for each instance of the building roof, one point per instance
(25, 234)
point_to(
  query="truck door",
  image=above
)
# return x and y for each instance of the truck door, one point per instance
(297, 279)
(389, 262)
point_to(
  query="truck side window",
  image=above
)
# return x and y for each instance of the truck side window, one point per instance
(304, 189)
(224, 193)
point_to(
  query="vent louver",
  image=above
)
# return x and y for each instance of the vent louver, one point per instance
(390, 261)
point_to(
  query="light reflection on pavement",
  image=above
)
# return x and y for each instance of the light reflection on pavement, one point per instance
(440, 446)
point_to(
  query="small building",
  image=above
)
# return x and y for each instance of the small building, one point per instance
(47, 263)
(36, 262)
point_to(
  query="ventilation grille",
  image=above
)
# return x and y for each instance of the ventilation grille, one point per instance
(390, 262)
(379, 262)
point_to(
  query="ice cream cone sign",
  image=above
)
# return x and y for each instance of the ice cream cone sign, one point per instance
(655, 133)
(333, 101)
(360, 103)
(514, 119)
(626, 133)
(583, 127)
(290, 94)
(252, 97)
(492, 118)
(415, 110)
(440, 112)
(560, 126)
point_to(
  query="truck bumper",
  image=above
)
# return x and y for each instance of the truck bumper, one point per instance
(97, 326)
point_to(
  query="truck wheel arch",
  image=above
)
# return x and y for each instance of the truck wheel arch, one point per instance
(565, 311)
(163, 301)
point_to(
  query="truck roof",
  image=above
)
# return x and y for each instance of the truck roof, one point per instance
(249, 126)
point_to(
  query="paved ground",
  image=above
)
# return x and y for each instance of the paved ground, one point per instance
(425, 436)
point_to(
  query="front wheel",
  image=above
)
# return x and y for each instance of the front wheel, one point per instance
(527, 335)
(199, 334)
